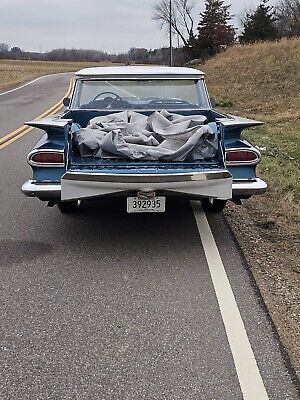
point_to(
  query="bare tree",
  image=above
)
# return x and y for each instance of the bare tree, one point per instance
(4, 48)
(182, 17)
(288, 17)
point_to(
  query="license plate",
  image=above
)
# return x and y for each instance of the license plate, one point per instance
(136, 205)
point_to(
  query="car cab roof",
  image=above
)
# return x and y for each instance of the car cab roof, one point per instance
(139, 71)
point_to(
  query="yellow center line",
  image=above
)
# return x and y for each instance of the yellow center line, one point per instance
(24, 129)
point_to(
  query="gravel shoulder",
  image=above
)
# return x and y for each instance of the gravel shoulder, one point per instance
(270, 241)
(268, 227)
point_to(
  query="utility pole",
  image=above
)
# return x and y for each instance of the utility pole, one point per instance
(171, 42)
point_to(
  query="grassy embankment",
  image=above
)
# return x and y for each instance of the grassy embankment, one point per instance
(262, 81)
(16, 72)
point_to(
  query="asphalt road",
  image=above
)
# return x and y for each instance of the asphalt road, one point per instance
(29, 102)
(106, 305)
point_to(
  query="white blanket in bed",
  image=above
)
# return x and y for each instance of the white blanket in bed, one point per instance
(161, 136)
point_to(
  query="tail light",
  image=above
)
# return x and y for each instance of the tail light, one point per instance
(242, 157)
(46, 158)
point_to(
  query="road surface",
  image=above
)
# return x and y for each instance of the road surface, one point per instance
(106, 305)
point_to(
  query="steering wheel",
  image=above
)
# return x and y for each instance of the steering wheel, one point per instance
(117, 97)
(109, 101)
(106, 102)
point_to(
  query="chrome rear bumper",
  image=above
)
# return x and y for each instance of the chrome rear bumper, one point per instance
(43, 190)
(248, 188)
(48, 191)
(81, 185)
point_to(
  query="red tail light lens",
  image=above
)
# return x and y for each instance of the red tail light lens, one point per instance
(46, 158)
(242, 157)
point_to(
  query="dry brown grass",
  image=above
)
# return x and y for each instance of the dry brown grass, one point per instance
(16, 72)
(262, 81)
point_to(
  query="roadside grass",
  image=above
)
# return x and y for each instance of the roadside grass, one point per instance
(280, 148)
(261, 81)
(17, 72)
(280, 167)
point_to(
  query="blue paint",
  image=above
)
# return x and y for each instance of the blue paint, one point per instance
(55, 138)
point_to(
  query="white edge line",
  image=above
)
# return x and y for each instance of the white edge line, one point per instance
(29, 83)
(249, 376)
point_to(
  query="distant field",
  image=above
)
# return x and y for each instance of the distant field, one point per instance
(262, 81)
(16, 72)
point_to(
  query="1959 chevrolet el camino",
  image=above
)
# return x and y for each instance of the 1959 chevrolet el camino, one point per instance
(145, 133)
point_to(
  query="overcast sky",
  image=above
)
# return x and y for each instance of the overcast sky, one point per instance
(109, 25)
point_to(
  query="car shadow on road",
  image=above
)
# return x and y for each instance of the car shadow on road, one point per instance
(104, 227)
(109, 216)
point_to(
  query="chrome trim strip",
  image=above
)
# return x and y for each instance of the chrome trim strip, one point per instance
(244, 188)
(143, 110)
(207, 95)
(238, 163)
(232, 121)
(49, 122)
(130, 77)
(146, 178)
(37, 164)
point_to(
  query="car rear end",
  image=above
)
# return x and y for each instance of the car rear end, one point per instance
(63, 176)
(145, 184)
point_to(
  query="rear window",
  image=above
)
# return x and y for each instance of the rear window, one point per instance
(152, 94)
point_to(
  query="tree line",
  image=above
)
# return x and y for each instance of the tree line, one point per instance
(134, 55)
(199, 37)
(214, 32)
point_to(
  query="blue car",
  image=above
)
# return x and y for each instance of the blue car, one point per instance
(144, 133)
